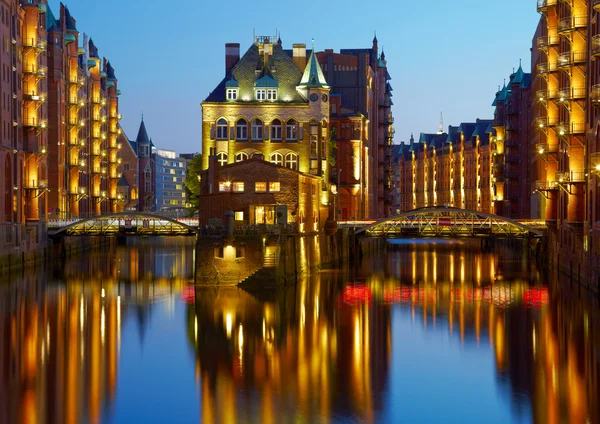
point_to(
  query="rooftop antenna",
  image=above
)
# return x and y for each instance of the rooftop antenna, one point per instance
(441, 128)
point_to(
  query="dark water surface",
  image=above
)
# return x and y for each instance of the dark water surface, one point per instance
(431, 331)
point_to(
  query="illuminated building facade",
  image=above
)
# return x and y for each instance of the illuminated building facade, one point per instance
(146, 169)
(273, 106)
(350, 132)
(361, 78)
(83, 123)
(511, 147)
(566, 116)
(450, 168)
(260, 192)
(170, 176)
(127, 187)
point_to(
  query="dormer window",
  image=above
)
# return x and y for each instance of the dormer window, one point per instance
(272, 94)
(232, 94)
(261, 94)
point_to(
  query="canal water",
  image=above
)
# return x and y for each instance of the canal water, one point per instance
(430, 331)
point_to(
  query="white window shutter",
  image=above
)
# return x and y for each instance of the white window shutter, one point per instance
(301, 132)
(232, 133)
(212, 131)
(266, 132)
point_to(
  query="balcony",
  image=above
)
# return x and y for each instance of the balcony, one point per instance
(569, 59)
(544, 95)
(546, 67)
(35, 123)
(596, 5)
(595, 163)
(76, 81)
(595, 95)
(546, 41)
(545, 148)
(566, 128)
(35, 44)
(36, 70)
(571, 24)
(573, 93)
(570, 176)
(542, 185)
(545, 121)
(596, 45)
(76, 162)
(35, 97)
(543, 5)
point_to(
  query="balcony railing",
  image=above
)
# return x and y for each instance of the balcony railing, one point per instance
(546, 67)
(35, 43)
(566, 128)
(546, 41)
(38, 97)
(545, 148)
(573, 93)
(543, 95)
(543, 5)
(596, 45)
(35, 123)
(572, 23)
(595, 95)
(570, 176)
(545, 121)
(570, 58)
(542, 185)
(34, 69)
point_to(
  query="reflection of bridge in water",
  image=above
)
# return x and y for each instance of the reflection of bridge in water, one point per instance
(130, 223)
(451, 222)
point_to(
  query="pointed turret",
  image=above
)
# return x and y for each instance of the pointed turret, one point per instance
(110, 72)
(142, 137)
(313, 74)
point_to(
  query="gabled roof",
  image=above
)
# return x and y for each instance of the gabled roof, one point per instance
(313, 74)
(93, 50)
(110, 72)
(453, 135)
(123, 181)
(266, 81)
(69, 21)
(51, 22)
(251, 67)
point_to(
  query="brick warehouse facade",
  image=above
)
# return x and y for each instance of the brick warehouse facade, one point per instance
(260, 192)
(60, 123)
(273, 106)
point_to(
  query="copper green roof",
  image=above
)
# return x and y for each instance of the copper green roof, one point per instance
(232, 83)
(313, 74)
(266, 81)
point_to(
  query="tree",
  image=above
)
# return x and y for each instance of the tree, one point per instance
(192, 181)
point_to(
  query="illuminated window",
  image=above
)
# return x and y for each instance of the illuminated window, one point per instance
(222, 158)
(260, 187)
(238, 187)
(291, 130)
(275, 186)
(313, 147)
(261, 94)
(241, 130)
(257, 130)
(241, 156)
(277, 159)
(291, 161)
(224, 186)
(232, 94)
(272, 94)
(239, 216)
(276, 130)
(222, 129)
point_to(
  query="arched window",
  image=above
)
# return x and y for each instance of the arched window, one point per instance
(276, 128)
(222, 129)
(8, 190)
(277, 159)
(291, 161)
(241, 156)
(291, 130)
(241, 130)
(222, 158)
(257, 130)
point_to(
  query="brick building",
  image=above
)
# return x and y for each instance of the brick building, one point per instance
(127, 187)
(146, 169)
(360, 77)
(261, 192)
(273, 106)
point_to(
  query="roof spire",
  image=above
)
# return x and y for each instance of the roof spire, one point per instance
(441, 127)
(313, 74)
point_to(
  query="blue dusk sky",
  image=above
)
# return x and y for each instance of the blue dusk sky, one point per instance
(442, 55)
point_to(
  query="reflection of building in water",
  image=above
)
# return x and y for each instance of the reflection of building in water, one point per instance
(295, 350)
(61, 362)
(59, 349)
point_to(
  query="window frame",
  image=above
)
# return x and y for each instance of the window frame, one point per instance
(260, 94)
(291, 130)
(272, 94)
(241, 128)
(274, 161)
(275, 186)
(222, 158)
(239, 155)
(237, 187)
(257, 190)
(256, 129)
(222, 132)
(276, 127)
(232, 94)
(291, 158)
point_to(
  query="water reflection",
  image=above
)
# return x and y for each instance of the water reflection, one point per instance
(426, 332)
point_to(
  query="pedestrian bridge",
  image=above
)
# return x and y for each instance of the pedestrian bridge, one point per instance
(127, 223)
(451, 222)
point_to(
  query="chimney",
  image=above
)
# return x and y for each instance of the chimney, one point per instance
(300, 56)
(232, 56)
(212, 171)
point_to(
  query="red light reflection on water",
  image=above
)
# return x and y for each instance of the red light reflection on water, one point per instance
(188, 294)
(536, 297)
(356, 294)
